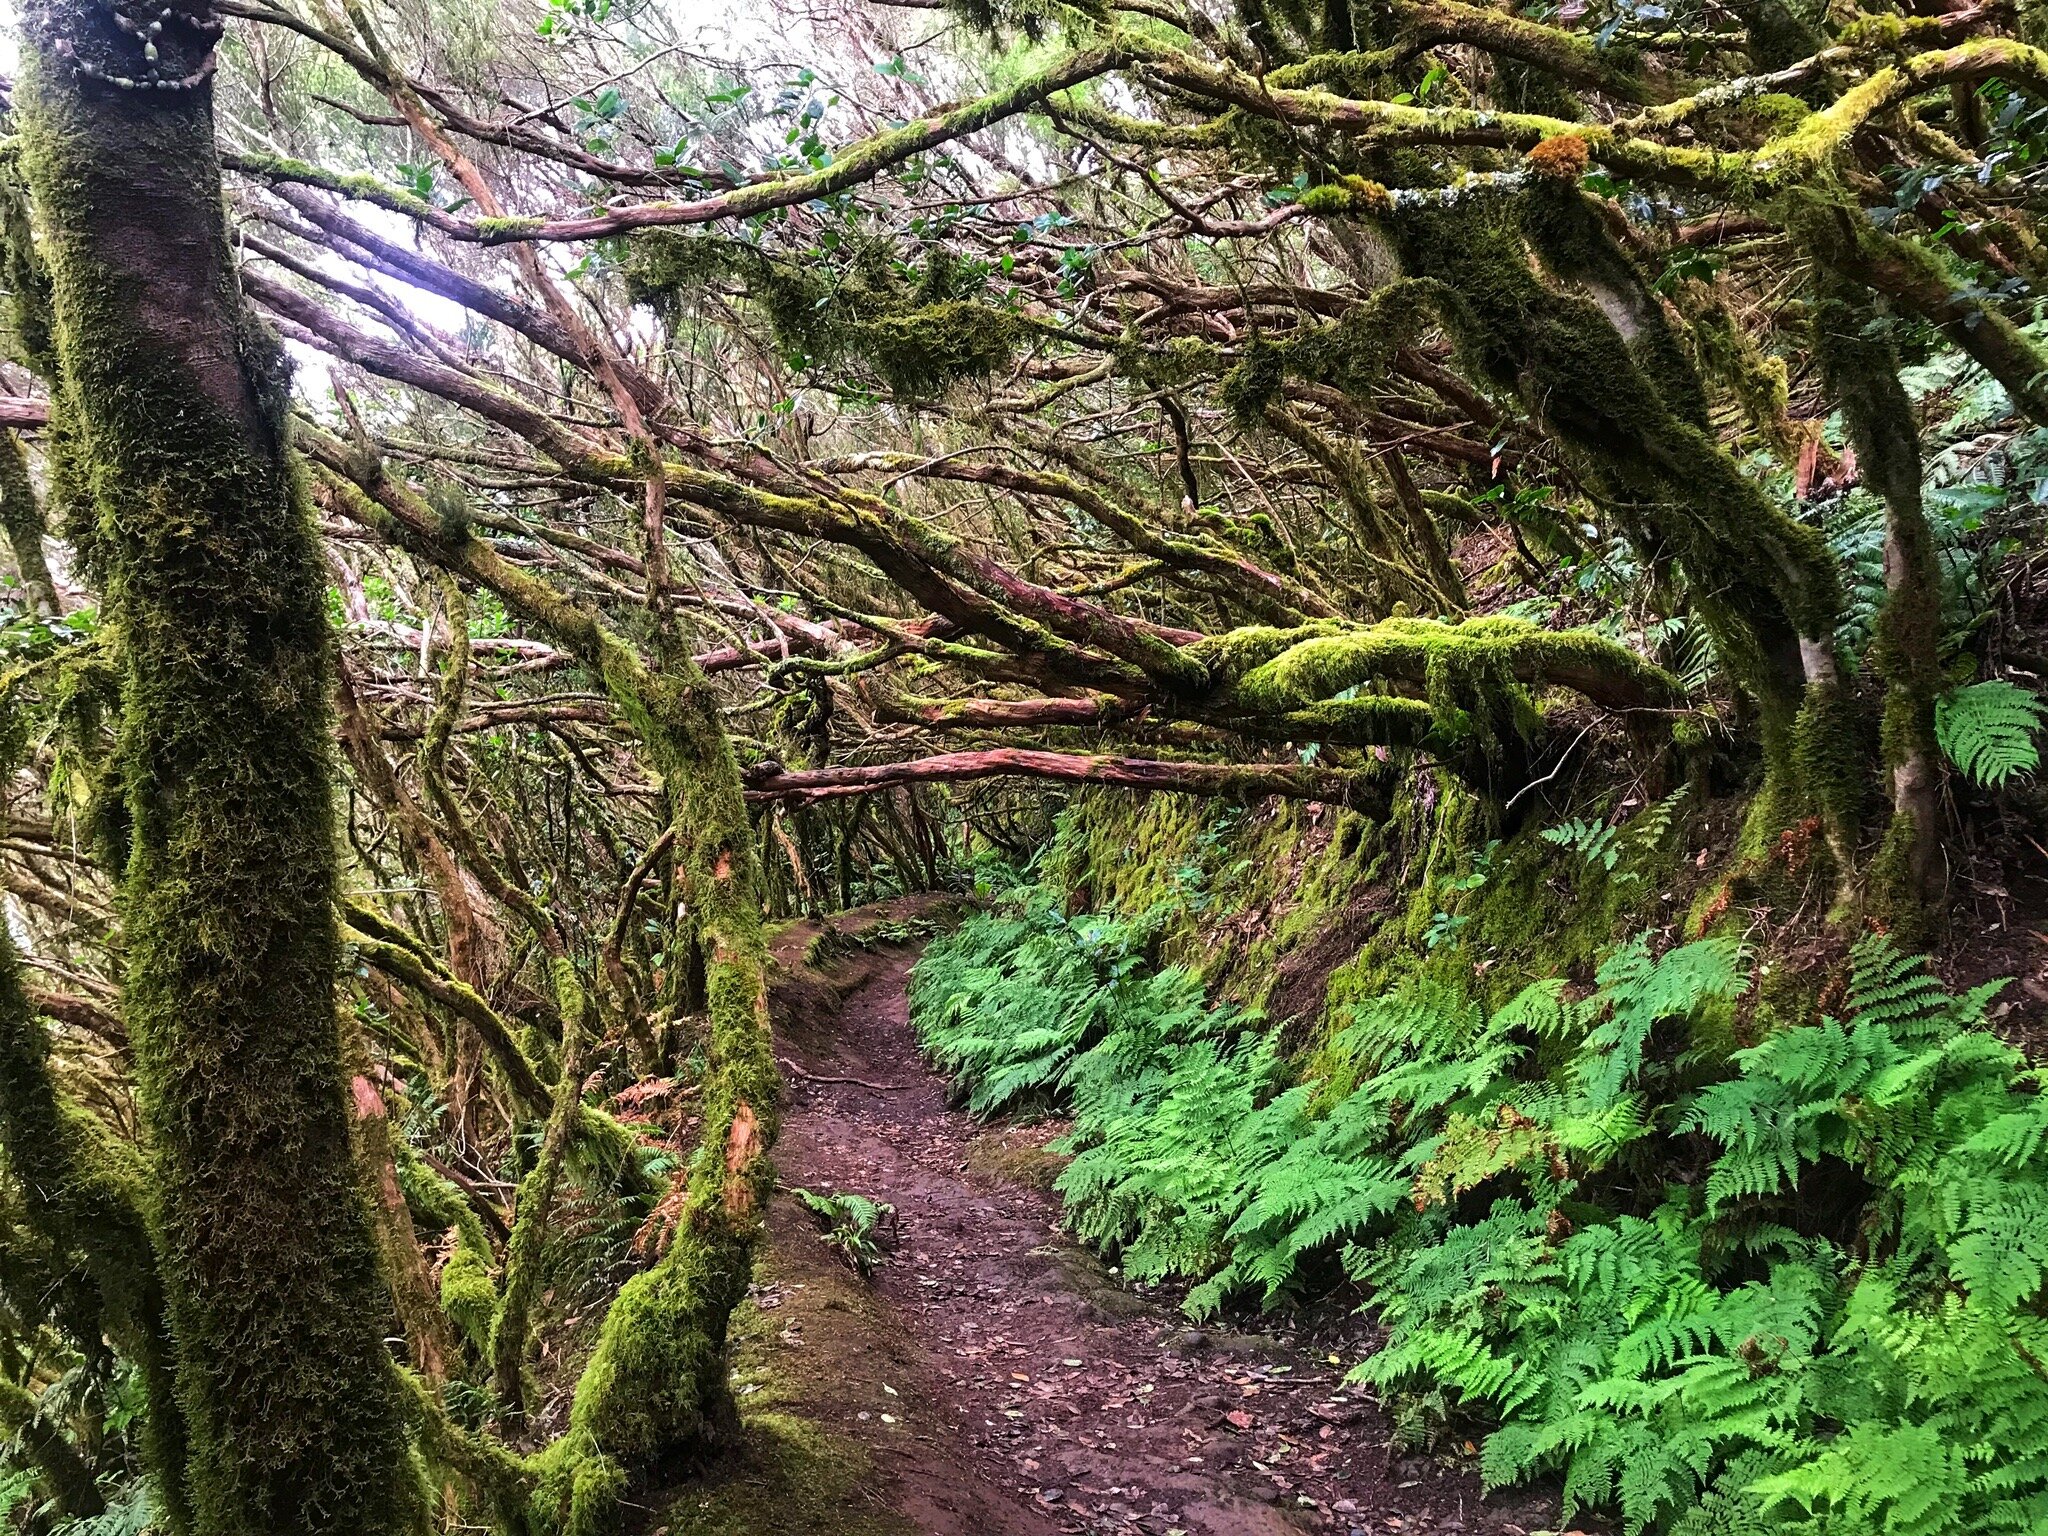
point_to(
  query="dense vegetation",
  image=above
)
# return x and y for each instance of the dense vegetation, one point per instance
(1788, 1287)
(1493, 551)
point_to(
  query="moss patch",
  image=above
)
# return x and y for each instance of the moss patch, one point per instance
(788, 1478)
(215, 587)
(1016, 1154)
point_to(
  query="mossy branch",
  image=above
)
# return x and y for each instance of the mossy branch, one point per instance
(1277, 670)
(534, 1209)
(21, 517)
(656, 1384)
(391, 950)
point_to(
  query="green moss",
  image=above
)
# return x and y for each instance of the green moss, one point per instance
(918, 332)
(84, 1193)
(1478, 678)
(921, 351)
(657, 1382)
(498, 231)
(655, 1389)
(32, 342)
(1269, 876)
(1327, 201)
(1573, 239)
(349, 184)
(21, 517)
(536, 1199)
(1778, 35)
(1759, 381)
(215, 586)
(1353, 354)
(1863, 372)
(1761, 578)
(788, 1477)
(1831, 757)
(468, 1293)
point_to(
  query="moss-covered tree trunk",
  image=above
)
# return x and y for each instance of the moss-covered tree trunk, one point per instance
(21, 517)
(83, 1192)
(1863, 371)
(657, 1386)
(214, 589)
(655, 1391)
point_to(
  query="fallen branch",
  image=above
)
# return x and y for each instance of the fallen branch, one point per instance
(858, 1082)
(771, 781)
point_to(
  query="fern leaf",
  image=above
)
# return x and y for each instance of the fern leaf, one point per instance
(1988, 729)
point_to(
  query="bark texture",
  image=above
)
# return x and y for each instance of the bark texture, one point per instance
(214, 589)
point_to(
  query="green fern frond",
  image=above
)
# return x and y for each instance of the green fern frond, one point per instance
(1988, 729)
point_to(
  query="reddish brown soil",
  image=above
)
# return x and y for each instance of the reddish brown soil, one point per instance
(1006, 1384)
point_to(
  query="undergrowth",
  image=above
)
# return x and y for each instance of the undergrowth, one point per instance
(1796, 1288)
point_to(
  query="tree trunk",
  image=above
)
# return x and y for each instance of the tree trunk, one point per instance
(655, 1389)
(214, 587)
(1863, 370)
(476, 945)
(21, 515)
(427, 1330)
(84, 1192)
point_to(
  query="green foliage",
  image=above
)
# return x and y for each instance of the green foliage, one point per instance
(1987, 729)
(1007, 1002)
(1593, 841)
(919, 330)
(1191, 1155)
(16, 1489)
(1799, 1289)
(1734, 1349)
(851, 1226)
(130, 1513)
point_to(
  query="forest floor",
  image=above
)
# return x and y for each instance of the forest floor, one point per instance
(994, 1379)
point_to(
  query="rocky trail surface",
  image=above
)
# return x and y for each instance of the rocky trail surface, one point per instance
(998, 1378)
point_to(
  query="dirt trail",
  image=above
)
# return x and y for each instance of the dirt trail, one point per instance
(1004, 1383)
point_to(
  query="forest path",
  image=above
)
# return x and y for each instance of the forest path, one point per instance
(1001, 1380)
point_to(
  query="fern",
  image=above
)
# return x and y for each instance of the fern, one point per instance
(1593, 841)
(1988, 729)
(852, 1226)
(1641, 991)
(130, 1512)
(1719, 1362)
(1650, 1385)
